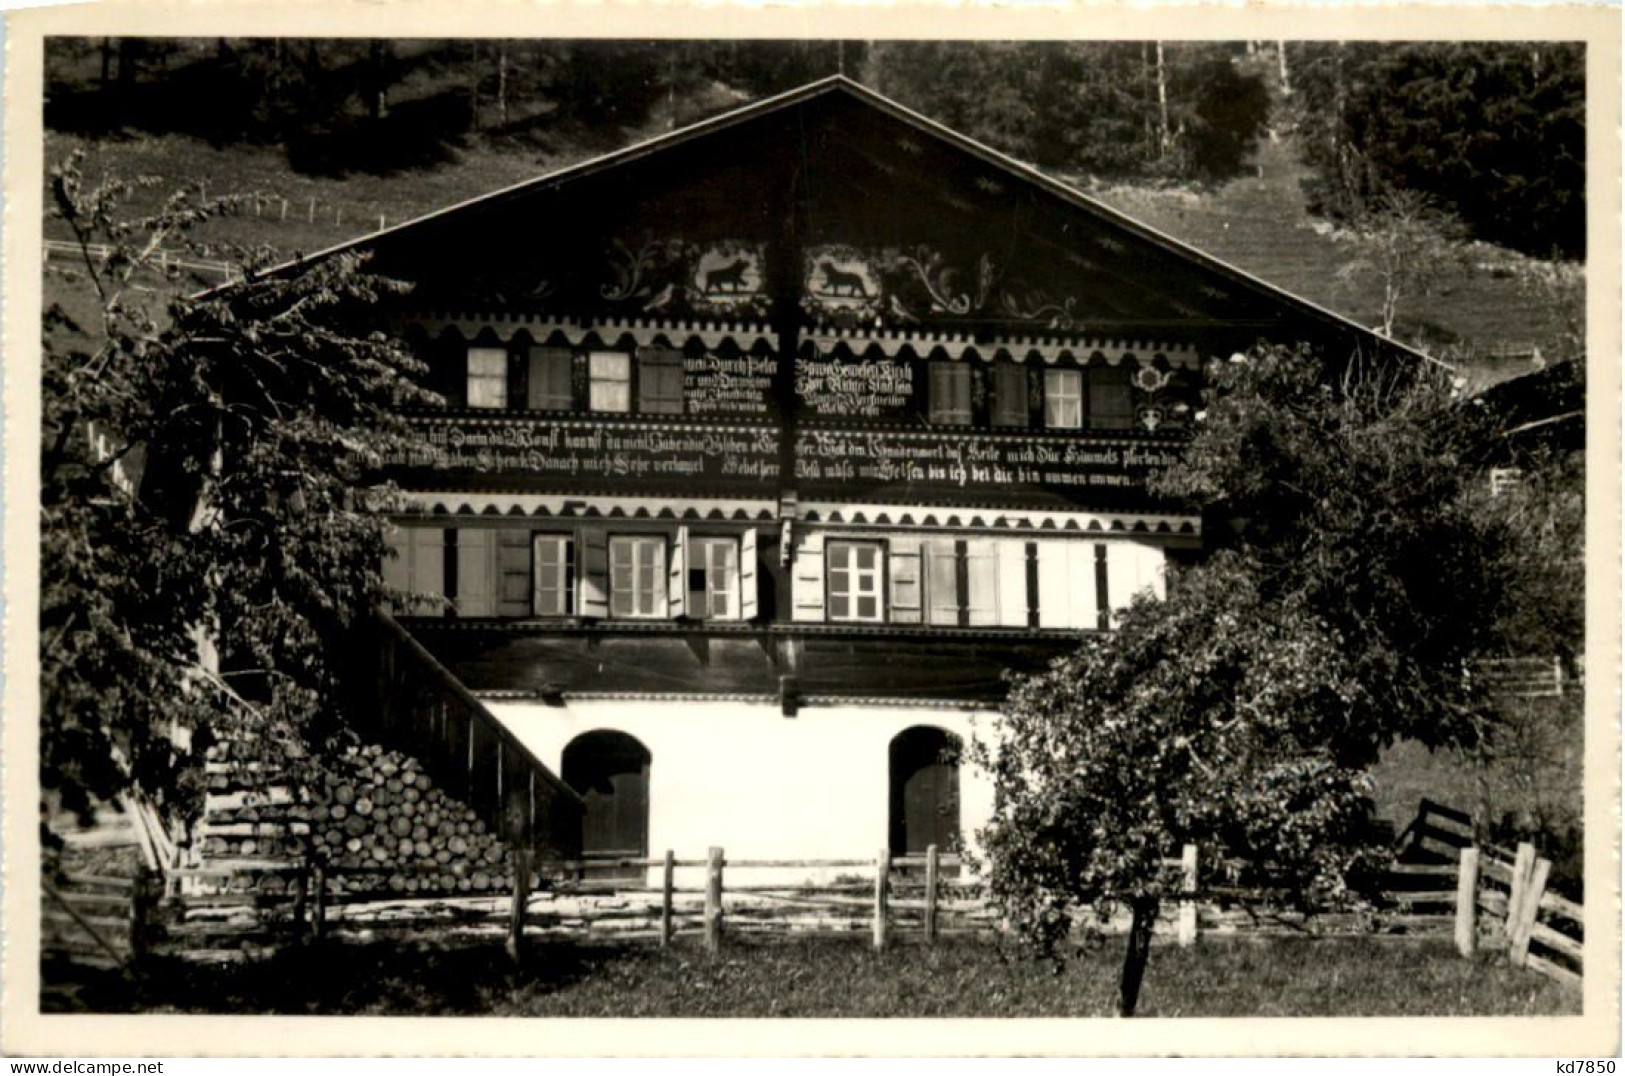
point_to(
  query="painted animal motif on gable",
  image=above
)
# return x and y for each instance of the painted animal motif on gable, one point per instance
(841, 282)
(726, 279)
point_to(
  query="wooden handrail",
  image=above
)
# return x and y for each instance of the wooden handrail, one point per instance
(476, 708)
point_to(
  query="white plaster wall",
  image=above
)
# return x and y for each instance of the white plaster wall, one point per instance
(741, 776)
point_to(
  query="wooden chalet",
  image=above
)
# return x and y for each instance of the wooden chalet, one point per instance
(770, 446)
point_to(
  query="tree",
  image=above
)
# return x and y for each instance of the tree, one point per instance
(1356, 578)
(1405, 244)
(255, 413)
(1201, 719)
(1494, 132)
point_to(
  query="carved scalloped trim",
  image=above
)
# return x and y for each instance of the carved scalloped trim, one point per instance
(891, 516)
(647, 332)
(1047, 349)
(585, 506)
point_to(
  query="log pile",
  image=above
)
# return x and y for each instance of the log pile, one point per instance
(373, 818)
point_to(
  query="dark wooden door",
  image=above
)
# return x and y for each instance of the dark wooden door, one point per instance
(610, 771)
(924, 791)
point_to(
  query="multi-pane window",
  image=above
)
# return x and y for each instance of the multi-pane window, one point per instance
(554, 590)
(853, 591)
(610, 380)
(637, 576)
(1063, 399)
(1111, 399)
(950, 394)
(1009, 394)
(660, 382)
(713, 579)
(487, 377)
(548, 386)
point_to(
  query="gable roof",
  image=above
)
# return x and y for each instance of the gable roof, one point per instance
(841, 85)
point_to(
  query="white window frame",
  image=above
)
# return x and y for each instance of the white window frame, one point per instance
(627, 600)
(861, 583)
(714, 561)
(565, 583)
(1063, 399)
(609, 379)
(485, 385)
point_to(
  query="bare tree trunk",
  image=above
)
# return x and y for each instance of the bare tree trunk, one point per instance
(1162, 105)
(1134, 960)
(474, 84)
(1286, 78)
(502, 84)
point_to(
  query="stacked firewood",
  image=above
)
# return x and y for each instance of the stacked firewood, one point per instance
(373, 818)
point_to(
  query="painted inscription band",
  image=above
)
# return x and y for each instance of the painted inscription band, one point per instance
(586, 450)
(850, 459)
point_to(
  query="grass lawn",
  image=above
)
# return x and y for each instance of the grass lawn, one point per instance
(843, 978)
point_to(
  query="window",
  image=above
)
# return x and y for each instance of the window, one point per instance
(492, 572)
(854, 581)
(487, 377)
(1009, 394)
(1111, 400)
(1504, 480)
(549, 387)
(610, 375)
(1063, 399)
(660, 382)
(637, 576)
(554, 591)
(950, 394)
(713, 579)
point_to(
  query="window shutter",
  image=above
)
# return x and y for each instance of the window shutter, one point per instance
(904, 568)
(513, 573)
(476, 583)
(1010, 571)
(1081, 585)
(950, 393)
(807, 582)
(594, 573)
(749, 600)
(1111, 401)
(549, 386)
(1009, 394)
(1066, 578)
(982, 581)
(660, 381)
(428, 569)
(677, 575)
(942, 599)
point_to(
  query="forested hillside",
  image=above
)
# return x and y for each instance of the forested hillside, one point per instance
(1371, 177)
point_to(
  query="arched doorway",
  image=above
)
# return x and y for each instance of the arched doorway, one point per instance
(610, 772)
(924, 790)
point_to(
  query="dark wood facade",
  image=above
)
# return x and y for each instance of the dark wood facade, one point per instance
(816, 399)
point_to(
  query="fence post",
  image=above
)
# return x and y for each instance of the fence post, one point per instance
(1187, 901)
(713, 899)
(140, 912)
(318, 917)
(284, 215)
(665, 900)
(931, 894)
(1467, 902)
(301, 887)
(310, 218)
(882, 878)
(1522, 865)
(516, 914)
(1529, 911)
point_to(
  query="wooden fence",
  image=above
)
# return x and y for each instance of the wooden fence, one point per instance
(100, 920)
